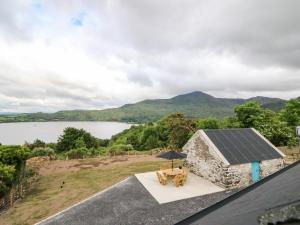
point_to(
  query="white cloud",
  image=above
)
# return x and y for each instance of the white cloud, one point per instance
(100, 54)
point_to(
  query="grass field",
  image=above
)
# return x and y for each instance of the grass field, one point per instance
(48, 197)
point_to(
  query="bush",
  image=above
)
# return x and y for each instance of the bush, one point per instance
(208, 123)
(39, 151)
(73, 137)
(119, 149)
(7, 176)
(36, 144)
(77, 153)
(12, 165)
(103, 151)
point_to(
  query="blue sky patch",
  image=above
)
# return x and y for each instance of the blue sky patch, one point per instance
(78, 20)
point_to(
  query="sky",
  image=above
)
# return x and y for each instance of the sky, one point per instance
(76, 54)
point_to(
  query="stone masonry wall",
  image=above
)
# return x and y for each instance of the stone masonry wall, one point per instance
(236, 176)
(267, 167)
(202, 161)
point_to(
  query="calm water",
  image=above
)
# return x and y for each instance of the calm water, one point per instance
(18, 133)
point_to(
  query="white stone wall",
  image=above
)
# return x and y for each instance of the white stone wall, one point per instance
(267, 167)
(236, 176)
(241, 175)
(205, 162)
(202, 160)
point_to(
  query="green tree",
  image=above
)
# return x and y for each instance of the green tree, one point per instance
(7, 176)
(208, 123)
(175, 130)
(68, 139)
(248, 113)
(80, 143)
(150, 138)
(266, 122)
(36, 144)
(291, 112)
(12, 165)
(230, 122)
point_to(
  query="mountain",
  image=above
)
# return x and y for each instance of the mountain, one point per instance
(195, 104)
(275, 104)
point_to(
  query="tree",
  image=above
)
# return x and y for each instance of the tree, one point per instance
(80, 143)
(7, 176)
(248, 113)
(175, 130)
(36, 144)
(67, 140)
(208, 123)
(150, 138)
(12, 165)
(266, 122)
(230, 122)
(291, 112)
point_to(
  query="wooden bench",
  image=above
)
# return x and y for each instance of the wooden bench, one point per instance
(161, 177)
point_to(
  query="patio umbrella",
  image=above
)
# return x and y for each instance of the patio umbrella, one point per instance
(171, 155)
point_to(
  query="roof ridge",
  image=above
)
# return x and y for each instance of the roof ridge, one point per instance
(229, 199)
(244, 128)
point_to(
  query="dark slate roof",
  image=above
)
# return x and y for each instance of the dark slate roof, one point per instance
(241, 145)
(128, 202)
(247, 205)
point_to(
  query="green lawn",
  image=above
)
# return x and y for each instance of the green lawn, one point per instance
(47, 197)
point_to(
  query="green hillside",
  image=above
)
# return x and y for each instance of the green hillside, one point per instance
(195, 104)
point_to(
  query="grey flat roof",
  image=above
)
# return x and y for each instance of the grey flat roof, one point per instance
(129, 202)
(241, 145)
(245, 206)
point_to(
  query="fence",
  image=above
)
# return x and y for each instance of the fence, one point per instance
(16, 192)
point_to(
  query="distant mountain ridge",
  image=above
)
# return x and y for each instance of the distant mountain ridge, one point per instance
(194, 104)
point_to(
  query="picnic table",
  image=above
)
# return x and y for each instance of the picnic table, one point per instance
(172, 172)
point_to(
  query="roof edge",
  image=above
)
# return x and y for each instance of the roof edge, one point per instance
(229, 199)
(266, 140)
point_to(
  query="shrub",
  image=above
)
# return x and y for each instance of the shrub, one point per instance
(36, 144)
(12, 165)
(7, 176)
(39, 151)
(119, 149)
(73, 137)
(77, 153)
(103, 151)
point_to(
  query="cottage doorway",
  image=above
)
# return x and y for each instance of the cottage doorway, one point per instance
(255, 171)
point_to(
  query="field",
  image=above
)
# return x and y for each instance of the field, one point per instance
(64, 183)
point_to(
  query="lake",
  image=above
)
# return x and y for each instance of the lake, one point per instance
(18, 133)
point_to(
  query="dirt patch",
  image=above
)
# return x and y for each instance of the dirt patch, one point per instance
(58, 166)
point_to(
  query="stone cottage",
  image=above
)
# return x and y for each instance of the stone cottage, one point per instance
(232, 157)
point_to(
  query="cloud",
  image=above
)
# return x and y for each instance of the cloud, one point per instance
(97, 54)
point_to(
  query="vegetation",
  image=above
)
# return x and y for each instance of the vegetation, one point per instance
(273, 126)
(172, 131)
(193, 105)
(78, 185)
(12, 166)
(43, 151)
